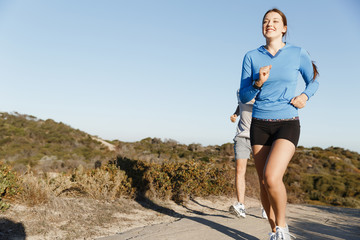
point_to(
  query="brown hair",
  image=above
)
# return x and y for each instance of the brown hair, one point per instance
(283, 17)
(316, 72)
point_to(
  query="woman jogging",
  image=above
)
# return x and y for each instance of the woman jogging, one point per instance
(269, 75)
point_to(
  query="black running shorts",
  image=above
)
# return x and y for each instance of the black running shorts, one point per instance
(264, 132)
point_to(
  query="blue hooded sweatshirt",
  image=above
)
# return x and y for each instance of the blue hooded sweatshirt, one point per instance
(272, 101)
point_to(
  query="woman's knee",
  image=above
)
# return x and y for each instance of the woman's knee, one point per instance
(271, 181)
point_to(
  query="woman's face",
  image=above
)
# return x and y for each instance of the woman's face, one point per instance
(273, 26)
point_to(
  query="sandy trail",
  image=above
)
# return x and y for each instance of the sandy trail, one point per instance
(110, 146)
(210, 220)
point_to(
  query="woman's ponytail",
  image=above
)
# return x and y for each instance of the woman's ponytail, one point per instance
(316, 72)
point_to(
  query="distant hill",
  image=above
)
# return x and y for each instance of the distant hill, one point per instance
(156, 150)
(46, 145)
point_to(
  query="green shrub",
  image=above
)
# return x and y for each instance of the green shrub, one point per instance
(9, 185)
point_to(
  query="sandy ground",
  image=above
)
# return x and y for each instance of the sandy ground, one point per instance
(199, 218)
(210, 220)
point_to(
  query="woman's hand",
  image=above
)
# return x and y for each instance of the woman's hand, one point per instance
(264, 73)
(299, 101)
(233, 118)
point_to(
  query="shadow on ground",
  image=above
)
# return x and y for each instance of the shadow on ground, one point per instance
(338, 223)
(11, 230)
(231, 232)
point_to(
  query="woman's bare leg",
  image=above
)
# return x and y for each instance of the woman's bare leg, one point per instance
(261, 153)
(279, 157)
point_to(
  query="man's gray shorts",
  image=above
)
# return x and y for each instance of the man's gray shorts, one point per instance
(242, 147)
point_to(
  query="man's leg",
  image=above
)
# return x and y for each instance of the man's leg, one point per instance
(240, 179)
(242, 150)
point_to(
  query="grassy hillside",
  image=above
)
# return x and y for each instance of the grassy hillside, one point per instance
(315, 175)
(328, 176)
(155, 150)
(45, 144)
(155, 168)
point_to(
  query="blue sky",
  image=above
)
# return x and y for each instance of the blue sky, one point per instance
(128, 70)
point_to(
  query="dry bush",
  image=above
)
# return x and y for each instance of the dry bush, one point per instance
(35, 190)
(106, 183)
(178, 181)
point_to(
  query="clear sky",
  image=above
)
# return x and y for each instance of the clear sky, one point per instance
(170, 69)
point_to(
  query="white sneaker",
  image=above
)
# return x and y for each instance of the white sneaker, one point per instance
(238, 210)
(272, 236)
(283, 233)
(263, 214)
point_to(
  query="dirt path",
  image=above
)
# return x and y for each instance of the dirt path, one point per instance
(110, 146)
(208, 222)
(142, 218)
